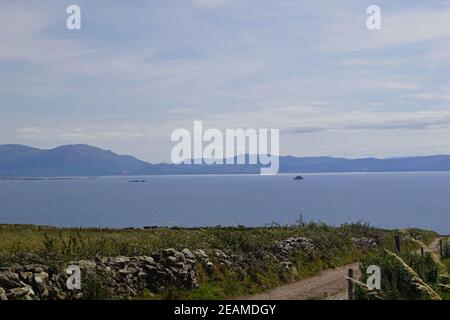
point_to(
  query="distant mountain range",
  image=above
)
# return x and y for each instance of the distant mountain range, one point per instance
(84, 160)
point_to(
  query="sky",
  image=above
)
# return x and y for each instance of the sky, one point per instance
(139, 69)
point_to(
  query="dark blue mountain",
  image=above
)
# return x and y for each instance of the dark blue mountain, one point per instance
(84, 160)
(328, 164)
(71, 160)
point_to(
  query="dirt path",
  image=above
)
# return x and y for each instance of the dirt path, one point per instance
(433, 247)
(329, 284)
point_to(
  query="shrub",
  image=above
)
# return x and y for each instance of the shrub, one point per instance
(397, 283)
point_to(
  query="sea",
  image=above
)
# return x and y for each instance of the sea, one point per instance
(386, 200)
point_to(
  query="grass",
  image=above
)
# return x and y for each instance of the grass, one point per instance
(407, 276)
(255, 270)
(446, 248)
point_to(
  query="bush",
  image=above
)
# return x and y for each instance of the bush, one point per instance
(396, 281)
(446, 249)
(95, 286)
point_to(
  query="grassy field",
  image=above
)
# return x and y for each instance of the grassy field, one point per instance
(253, 247)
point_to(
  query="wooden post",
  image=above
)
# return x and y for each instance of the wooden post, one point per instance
(397, 243)
(441, 247)
(421, 251)
(350, 284)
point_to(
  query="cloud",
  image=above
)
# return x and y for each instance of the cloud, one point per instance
(210, 3)
(90, 132)
(431, 96)
(30, 132)
(302, 67)
(408, 25)
(23, 33)
(322, 116)
(421, 120)
(396, 85)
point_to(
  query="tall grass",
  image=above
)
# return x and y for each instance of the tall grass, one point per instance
(407, 276)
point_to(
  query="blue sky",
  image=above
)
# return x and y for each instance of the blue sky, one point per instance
(140, 69)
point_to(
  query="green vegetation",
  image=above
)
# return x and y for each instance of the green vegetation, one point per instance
(254, 249)
(407, 276)
(446, 249)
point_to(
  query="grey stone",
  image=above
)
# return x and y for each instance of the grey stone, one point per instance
(200, 253)
(188, 254)
(3, 296)
(189, 261)
(169, 252)
(26, 276)
(285, 247)
(9, 280)
(147, 260)
(150, 269)
(35, 268)
(17, 293)
(121, 259)
(220, 254)
(119, 262)
(142, 275)
(126, 276)
(227, 263)
(170, 260)
(180, 256)
(44, 294)
(40, 281)
(180, 265)
(365, 243)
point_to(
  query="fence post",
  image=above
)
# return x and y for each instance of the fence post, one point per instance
(397, 243)
(350, 284)
(441, 246)
(421, 251)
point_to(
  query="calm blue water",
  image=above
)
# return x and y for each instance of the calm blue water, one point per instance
(388, 200)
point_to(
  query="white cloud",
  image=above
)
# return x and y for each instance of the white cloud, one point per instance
(401, 27)
(210, 3)
(304, 67)
(30, 132)
(87, 132)
(420, 120)
(22, 30)
(431, 96)
(396, 85)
